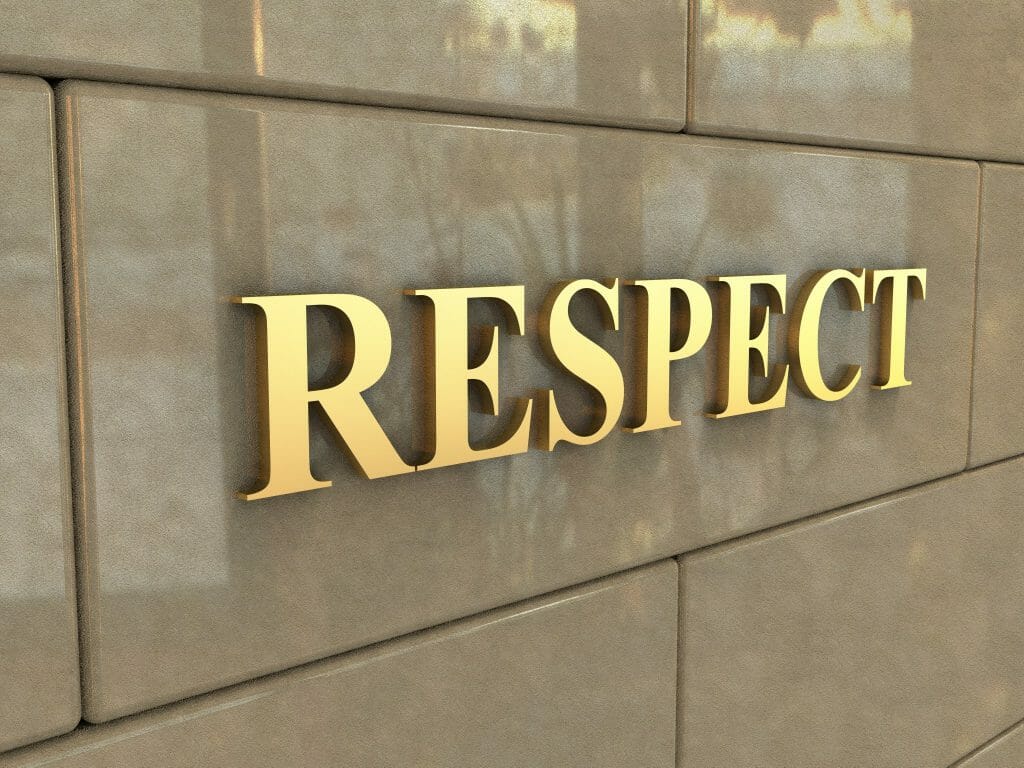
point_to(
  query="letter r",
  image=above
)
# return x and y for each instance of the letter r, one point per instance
(288, 397)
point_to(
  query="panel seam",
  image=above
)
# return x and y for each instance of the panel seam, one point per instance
(974, 327)
(691, 58)
(809, 142)
(71, 289)
(986, 744)
(680, 605)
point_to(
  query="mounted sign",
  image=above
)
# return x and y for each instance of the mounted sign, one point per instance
(744, 331)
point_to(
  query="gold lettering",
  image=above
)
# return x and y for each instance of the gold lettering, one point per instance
(584, 359)
(288, 398)
(743, 346)
(657, 353)
(893, 353)
(452, 375)
(461, 375)
(805, 330)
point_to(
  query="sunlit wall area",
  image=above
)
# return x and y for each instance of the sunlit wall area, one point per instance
(934, 77)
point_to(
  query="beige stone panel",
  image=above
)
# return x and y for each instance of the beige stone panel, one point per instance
(181, 200)
(38, 642)
(596, 61)
(888, 635)
(997, 427)
(936, 76)
(582, 678)
(1005, 752)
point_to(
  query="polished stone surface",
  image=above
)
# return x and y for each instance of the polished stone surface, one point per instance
(180, 201)
(1005, 752)
(38, 642)
(582, 678)
(935, 76)
(595, 61)
(887, 636)
(997, 427)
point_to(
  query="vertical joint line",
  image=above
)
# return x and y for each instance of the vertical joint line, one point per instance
(692, 23)
(961, 762)
(974, 329)
(67, 157)
(680, 605)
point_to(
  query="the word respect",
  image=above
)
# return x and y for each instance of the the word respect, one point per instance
(744, 329)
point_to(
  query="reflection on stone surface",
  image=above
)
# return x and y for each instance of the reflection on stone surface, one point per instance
(190, 199)
(735, 29)
(848, 23)
(564, 59)
(863, 73)
(259, 47)
(864, 24)
(515, 25)
(503, 50)
(872, 36)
